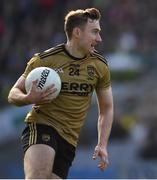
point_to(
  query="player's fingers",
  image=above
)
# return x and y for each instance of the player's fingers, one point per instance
(104, 162)
(35, 82)
(95, 154)
(102, 165)
(50, 93)
(49, 88)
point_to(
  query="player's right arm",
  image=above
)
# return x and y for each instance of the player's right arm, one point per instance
(19, 97)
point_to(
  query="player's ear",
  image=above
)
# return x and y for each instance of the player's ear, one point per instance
(77, 32)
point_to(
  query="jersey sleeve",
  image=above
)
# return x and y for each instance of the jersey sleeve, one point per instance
(32, 63)
(104, 80)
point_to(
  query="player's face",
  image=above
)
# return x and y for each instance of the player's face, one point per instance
(90, 36)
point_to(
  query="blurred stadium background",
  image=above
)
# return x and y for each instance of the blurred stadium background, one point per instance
(129, 32)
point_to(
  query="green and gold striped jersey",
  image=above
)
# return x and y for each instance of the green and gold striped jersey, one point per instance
(79, 76)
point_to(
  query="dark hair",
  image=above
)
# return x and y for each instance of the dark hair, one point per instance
(79, 18)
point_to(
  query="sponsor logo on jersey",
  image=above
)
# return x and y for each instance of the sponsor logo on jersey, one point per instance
(80, 89)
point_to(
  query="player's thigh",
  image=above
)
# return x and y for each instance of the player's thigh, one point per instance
(39, 158)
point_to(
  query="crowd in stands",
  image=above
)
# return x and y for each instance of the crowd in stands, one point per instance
(31, 26)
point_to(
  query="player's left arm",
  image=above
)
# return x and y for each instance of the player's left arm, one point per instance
(105, 119)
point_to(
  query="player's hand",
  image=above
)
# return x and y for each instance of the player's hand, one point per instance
(37, 96)
(102, 153)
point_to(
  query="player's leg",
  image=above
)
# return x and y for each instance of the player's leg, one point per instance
(39, 144)
(38, 161)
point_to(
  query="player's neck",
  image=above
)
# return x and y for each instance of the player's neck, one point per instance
(74, 50)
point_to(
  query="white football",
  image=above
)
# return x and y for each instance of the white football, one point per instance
(46, 76)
